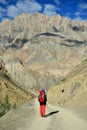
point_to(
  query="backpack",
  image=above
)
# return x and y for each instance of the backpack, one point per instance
(41, 97)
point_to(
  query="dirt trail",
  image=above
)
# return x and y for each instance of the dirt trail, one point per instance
(57, 119)
(66, 120)
(40, 123)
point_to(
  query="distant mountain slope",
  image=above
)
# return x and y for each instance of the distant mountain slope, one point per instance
(40, 50)
(72, 90)
(25, 27)
(8, 87)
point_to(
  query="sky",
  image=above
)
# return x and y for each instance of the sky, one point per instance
(73, 9)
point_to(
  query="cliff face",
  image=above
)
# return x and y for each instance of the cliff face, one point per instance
(40, 50)
(25, 27)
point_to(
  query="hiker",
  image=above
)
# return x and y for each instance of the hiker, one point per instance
(42, 98)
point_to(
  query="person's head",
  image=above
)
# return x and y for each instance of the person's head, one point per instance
(43, 89)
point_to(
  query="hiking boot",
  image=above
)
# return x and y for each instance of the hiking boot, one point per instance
(44, 115)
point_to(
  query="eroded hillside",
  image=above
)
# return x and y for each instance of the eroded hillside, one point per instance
(10, 88)
(40, 50)
(72, 90)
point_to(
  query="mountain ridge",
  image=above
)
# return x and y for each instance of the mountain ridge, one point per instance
(38, 50)
(32, 26)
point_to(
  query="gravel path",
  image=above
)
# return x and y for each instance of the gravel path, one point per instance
(28, 118)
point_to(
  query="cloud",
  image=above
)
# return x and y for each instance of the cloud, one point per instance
(83, 6)
(26, 6)
(57, 2)
(3, 2)
(12, 11)
(68, 14)
(81, 14)
(50, 10)
(77, 16)
(2, 12)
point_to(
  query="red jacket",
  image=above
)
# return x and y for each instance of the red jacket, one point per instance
(45, 97)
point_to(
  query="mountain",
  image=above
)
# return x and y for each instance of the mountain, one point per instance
(71, 91)
(10, 88)
(38, 50)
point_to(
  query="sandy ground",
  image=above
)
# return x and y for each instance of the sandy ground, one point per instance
(28, 118)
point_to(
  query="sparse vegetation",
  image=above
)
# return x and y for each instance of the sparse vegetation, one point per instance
(85, 61)
(2, 113)
(63, 80)
(77, 65)
(6, 106)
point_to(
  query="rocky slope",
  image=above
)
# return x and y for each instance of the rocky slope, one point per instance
(25, 27)
(71, 91)
(10, 88)
(40, 50)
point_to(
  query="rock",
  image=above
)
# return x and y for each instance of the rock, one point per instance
(41, 50)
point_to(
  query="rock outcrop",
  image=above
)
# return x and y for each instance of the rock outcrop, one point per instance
(41, 50)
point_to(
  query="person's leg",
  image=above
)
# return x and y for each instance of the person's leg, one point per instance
(41, 110)
(44, 110)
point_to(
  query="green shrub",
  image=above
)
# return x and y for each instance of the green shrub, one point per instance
(63, 80)
(6, 104)
(2, 113)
